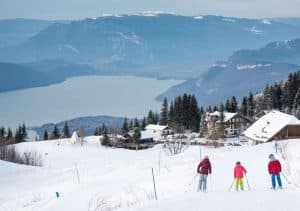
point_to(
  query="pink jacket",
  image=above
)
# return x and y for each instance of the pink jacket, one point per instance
(239, 172)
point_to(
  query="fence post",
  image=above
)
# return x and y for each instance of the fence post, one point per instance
(77, 173)
(154, 184)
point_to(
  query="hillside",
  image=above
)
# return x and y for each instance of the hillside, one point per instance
(90, 124)
(119, 179)
(245, 71)
(149, 44)
(43, 73)
(16, 31)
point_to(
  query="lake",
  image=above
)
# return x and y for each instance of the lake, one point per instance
(82, 96)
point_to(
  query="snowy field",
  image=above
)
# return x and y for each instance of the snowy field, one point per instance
(118, 179)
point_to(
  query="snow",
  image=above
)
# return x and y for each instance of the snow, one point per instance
(223, 65)
(266, 21)
(255, 30)
(72, 48)
(227, 115)
(156, 127)
(122, 179)
(145, 134)
(229, 20)
(131, 37)
(198, 17)
(74, 138)
(284, 44)
(251, 66)
(111, 15)
(269, 125)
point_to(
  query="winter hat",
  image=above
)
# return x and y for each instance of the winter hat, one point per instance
(238, 163)
(271, 156)
(206, 157)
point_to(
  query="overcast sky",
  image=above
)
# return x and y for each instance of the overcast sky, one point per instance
(77, 9)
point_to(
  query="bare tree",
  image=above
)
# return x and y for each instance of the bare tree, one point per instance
(81, 134)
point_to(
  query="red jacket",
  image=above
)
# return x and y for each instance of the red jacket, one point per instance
(239, 171)
(204, 167)
(274, 167)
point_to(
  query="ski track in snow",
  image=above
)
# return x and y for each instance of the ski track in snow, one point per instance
(121, 179)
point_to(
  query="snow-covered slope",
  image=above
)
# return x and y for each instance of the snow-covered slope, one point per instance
(121, 179)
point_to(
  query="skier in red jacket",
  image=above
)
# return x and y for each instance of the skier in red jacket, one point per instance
(239, 172)
(274, 168)
(204, 168)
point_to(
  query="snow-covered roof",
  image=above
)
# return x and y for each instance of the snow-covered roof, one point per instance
(156, 127)
(146, 134)
(227, 115)
(269, 125)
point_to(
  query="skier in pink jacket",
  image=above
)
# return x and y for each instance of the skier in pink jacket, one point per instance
(239, 172)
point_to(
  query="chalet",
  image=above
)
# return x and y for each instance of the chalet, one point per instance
(158, 131)
(275, 125)
(235, 123)
(126, 141)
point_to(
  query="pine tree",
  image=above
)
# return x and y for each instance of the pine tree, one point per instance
(268, 101)
(136, 123)
(244, 106)
(46, 136)
(55, 133)
(209, 109)
(195, 115)
(10, 137)
(136, 135)
(171, 114)
(150, 118)
(228, 107)
(130, 127)
(2, 135)
(144, 123)
(105, 138)
(18, 135)
(156, 118)
(215, 108)
(251, 106)
(125, 128)
(164, 113)
(296, 105)
(234, 104)
(66, 130)
(24, 132)
(96, 132)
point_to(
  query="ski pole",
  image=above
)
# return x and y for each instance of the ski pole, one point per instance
(193, 179)
(285, 178)
(247, 182)
(231, 185)
(210, 182)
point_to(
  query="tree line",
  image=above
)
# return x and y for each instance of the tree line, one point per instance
(184, 113)
(283, 96)
(8, 137)
(181, 114)
(56, 133)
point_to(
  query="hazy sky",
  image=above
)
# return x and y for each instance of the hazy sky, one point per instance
(77, 9)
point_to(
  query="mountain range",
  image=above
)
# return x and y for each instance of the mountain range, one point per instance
(149, 44)
(16, 31)
(153, 45)
(245, 71)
